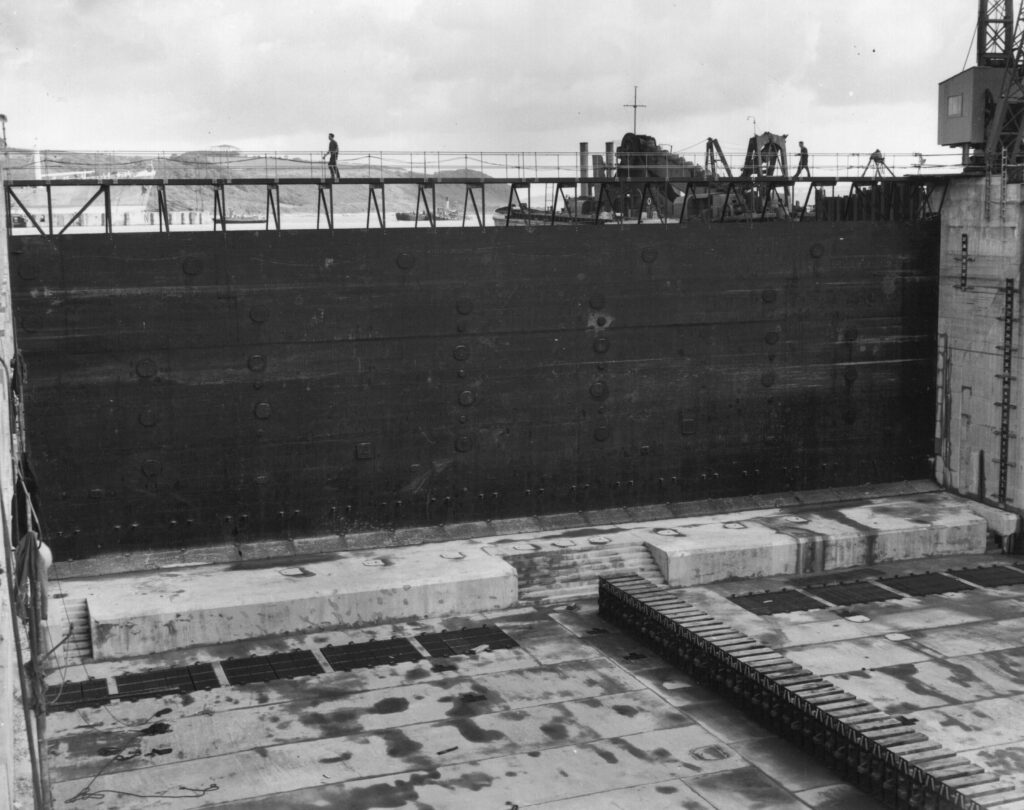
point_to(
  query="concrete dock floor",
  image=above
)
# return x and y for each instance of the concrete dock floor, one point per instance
(576, 716)
(523, 706)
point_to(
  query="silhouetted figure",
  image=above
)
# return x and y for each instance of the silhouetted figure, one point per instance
(332, 150)
(802, 165)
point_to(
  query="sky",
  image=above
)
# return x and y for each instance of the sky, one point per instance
(477, 75)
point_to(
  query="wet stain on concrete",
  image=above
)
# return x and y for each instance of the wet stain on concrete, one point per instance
(907, 675)
(282, 562)
(625, 711)
(534, 754)
(416, 674)
(390, 706)
(259, 749)
(154, 729)
(1003, 760)
(398, 744)
(586, 532)
(187, 699)
(340, 758)
(472, 732)
(400, 793)
(952, 722)
(473, 780)
(333, 724)
(607, 756)
(555, 731)
(667, 789)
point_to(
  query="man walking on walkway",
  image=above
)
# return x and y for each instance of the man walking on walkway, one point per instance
(332, 150)
(802, 165)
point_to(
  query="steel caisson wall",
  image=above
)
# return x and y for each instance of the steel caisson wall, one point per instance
(191, 388)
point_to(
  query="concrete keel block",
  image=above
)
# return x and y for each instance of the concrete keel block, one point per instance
(813, 538)
(143, 614)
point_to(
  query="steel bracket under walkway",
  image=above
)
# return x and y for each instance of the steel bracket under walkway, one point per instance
(865, 746)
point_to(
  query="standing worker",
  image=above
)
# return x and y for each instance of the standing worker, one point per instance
(332, 150)
(802, 165)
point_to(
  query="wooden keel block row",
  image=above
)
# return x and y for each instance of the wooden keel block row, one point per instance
(869, 748)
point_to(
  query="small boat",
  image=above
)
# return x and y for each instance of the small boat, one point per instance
(449, 212)
(579, 213)
(235, 218)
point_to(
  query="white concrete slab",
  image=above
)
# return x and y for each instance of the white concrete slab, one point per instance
(186, 607)
(791, 540)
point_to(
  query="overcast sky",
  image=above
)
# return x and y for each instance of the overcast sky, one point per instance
(469, 75)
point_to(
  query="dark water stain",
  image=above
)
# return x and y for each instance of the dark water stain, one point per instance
(593, 703)
(1003, 760)
(473, 780)
(400, 793)
(333, 724)
(472, 732)
(510, 774)
(390, 706)
(607, 756)
(398, 744)
(534, 754)
(340, 758)
(556, 731)
(626, 711)
(467, 704)
(262, 697)
(958, 673)
(187, 699)
(587, 532)
(416, 674)
(666, 789)
(291, 561)
(159, 752)
(259, 749)
(907, 675)
(869, 532)
(156, 728)
(952, 722)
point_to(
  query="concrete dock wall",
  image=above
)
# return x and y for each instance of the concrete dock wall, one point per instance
(15, 772)
(981, 251)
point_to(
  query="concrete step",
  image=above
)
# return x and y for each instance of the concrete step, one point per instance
(68, 624)
(552, 576)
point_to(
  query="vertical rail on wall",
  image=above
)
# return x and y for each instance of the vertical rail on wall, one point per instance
(1006, 379)
(1003, 177)
(988, 195)
(964, 259)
